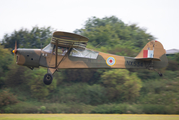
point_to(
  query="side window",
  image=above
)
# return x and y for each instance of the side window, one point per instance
(84, 53)
(76, 53)
(60, 51)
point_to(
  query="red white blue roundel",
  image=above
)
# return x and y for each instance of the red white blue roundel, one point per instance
(110, 61)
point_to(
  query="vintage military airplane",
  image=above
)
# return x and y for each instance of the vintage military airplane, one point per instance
(68, 50)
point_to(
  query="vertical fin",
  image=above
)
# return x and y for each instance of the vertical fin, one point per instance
(148, 50)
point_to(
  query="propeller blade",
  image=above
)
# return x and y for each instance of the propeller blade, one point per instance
(16, 45)
(15, 51)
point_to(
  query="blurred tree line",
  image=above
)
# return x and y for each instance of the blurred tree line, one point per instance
(35, 38)
(110, 90)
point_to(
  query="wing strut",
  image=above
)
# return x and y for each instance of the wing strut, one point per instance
(56, 53)
(63, 56)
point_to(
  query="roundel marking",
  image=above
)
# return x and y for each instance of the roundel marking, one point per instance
(110, 61)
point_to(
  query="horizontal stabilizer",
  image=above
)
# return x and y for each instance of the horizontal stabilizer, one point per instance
(148, 59)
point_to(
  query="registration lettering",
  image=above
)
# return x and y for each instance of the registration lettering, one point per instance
(134, 63)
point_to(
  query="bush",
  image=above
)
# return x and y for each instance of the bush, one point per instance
(134, 109)
(118, 109)
(172, 65)
(93, 95)
(38, 89)
(8, 110)
(38, 107)
(145, 74)
(79, 93)
(154, 109)
(121, 85)
(165, 98)
(110, 108)
(7, 98)
(22, 107)
(42, 109)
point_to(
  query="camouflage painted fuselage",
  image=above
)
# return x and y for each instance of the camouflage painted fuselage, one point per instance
(38, 57)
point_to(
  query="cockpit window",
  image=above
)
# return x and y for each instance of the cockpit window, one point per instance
(83, 53)
(60, 50)
(48, 48)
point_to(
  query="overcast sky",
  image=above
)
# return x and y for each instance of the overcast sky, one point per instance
(159, 17)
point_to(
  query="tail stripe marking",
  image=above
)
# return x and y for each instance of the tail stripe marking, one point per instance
(145, 53)
(148, 53)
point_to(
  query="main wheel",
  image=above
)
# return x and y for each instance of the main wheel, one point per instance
(160, 74)
(48, 79)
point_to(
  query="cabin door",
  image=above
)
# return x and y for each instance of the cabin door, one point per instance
(61, 51)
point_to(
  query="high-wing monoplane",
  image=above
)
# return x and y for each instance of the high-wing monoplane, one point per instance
(68, 50)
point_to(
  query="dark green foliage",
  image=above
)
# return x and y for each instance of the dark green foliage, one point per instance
(110, 31)
(154, 109)
(120, 85)
(39, 107)
(35, 38)
(22, 107)
(177, 57)
(7, 98)
(160, 91)
(78, 75)
(5, 60)
(36, 107)
(42, 109)
(34, 81)
(145, 74)
(80, 93)
(173, 65)
(15, 76)
(132, 109)
(109, 109)
(122, 50)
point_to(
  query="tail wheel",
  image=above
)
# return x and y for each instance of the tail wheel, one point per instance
(48, 79)
(160, 74)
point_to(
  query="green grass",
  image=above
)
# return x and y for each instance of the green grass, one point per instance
(87, 117)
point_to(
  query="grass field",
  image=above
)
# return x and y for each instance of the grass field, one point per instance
(86, 117)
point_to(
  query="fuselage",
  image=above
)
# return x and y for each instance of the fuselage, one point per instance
(38, 57)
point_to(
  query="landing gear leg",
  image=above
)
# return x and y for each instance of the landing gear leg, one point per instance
(151, 67)
(48, 78)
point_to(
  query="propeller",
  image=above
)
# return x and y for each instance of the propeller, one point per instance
(15, 50)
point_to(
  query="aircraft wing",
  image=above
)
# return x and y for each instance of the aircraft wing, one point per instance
(65, 39)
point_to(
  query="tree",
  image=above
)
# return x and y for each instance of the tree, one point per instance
(78, 75)
(177, 57)
(5, 59)
(15, 76)
(121, 85)
(111, 31)
(38, 88)
(35, 38)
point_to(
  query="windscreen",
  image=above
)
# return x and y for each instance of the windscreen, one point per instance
(48, 48)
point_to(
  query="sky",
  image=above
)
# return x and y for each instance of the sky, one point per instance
(159, 17)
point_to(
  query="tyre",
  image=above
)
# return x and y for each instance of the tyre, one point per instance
(160, 74)
(48, 79)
